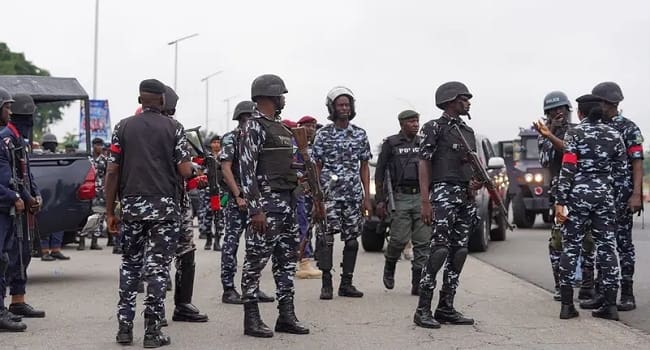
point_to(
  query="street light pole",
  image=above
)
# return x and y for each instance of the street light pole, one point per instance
(207, 97)
(95, 49)
(175, 43)
(227, 101)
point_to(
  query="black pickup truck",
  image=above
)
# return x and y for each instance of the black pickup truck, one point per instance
(66, 182)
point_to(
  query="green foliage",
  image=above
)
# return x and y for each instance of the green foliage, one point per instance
(13, 63)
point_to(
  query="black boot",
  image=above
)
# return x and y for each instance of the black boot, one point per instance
(445, 312)
(8, 323)
(185, 311)
(231, 296)
(208, 242)
(568, 310)
(627, 297)
(217, 243)
(346, 289)
(263, 297)
(253, 324)
(595, 302)
(153, 336)
(587, 290)
(82, 243)
(608, 310)
(423, 316)
(124, 334)
(287, 321)
(389, 274)
(94, 245)
(327, 291)
(416, 275)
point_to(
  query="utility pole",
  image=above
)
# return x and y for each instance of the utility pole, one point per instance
(95, 49)
(228, 117)
(207, 97)
(175, 43)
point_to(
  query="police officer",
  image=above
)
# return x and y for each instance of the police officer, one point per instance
(98, 160)
(268, 183)
(629, 184)
(557, 109)
(15, 134)
(148, 153)
(49, 143)
(10, 199)
(236, 211)
(399, 154)
(207, 217)
(446, 184)
(594, 155)
(342, 149)
(184, 310)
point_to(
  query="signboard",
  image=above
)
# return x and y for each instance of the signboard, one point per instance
(100, 122)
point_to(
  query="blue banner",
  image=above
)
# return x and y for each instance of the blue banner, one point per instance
(100, 122)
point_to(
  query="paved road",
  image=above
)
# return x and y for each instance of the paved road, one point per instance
(525, 254)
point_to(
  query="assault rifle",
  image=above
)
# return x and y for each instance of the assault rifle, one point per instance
(16, 184)
(312, 185)
(483, 176)
(389, 186)
(211, 165)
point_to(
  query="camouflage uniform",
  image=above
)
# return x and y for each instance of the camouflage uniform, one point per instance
(281, 239)
(99, 202)
(593, 156)
(550, 158)
(633, 140)
(235, 220)
(208, 218)
(339, 152)
(150, 230)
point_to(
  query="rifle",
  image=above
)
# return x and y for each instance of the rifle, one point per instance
(211, 165)
(389, 186)
(313, 184)
(16, 184)
(483, 176)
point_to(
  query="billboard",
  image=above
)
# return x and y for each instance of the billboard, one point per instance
(100, 122)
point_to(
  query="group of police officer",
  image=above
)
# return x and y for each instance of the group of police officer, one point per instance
(597, 170)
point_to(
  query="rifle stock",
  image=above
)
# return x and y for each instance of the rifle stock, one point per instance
(483, 176)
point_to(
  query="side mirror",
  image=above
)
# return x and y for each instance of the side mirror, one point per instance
(496, 163)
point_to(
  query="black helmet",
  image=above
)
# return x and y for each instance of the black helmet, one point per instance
(5, 97)
(448, 92)
(49, 138)
(23, 105)
(556, 99)
(171, 99)
(335, 93)
(243, 107)
(609, 91)
(268, 85)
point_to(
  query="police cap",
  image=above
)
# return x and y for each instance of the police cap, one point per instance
(588, 98)
(152, 86)
(408, 114)
(609, 91)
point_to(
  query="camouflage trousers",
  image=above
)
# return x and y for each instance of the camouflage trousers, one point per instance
(344, 218)
(303, 214)
(598, 210)
(148, 246)
(407, 224)
(624, 244)
(280, 243)
(209, 218)
(454, 218)
(236, 222)
(186, 235)
(586, 253)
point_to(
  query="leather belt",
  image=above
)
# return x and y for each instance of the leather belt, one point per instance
(407, 189)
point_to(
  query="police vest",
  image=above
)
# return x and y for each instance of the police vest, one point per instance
(449, 160)
(276, 157)
(404, 160)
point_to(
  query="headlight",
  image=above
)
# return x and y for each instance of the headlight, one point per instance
(538, 177)
(528, 177)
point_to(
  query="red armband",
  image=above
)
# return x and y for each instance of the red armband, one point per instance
(115, 149)
(198, 160)
(194, 182)
(570, 158)
(634, 149)
(215, 203)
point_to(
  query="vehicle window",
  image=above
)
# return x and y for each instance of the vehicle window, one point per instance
(488, 149)
(530, 150)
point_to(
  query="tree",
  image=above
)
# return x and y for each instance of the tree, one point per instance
(13, 63)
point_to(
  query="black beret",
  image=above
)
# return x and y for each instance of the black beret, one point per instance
(588, 98)
(171, 99)
(97, 140)
(153, 86)
(407, 114)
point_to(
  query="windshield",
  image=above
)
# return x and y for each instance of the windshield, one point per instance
(531, 150)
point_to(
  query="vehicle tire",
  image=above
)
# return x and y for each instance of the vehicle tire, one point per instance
(499, 233)
(479, 240)
(522, 217)
(371, 239)
(546, 216)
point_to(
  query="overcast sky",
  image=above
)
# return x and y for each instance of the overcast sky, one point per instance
(392, 54)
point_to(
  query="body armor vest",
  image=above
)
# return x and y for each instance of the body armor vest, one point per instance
(404, 160)
(276, 157)
(449, 160)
